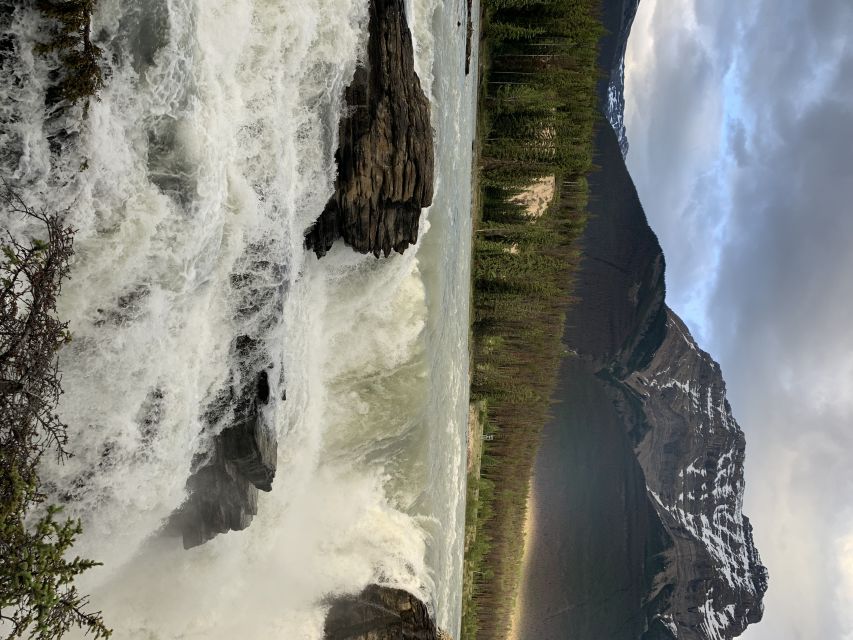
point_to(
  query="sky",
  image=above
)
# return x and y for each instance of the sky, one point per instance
(740, 122)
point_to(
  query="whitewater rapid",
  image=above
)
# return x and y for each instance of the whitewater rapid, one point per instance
(208, 154)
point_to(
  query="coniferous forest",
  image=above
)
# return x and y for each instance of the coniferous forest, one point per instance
(537, 117)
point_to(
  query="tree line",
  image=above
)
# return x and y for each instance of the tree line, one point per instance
(538, 111)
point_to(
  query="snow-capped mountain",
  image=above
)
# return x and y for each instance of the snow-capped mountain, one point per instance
(686, 440)
(618, 17)
(705, 580)
(691, 451)
(614, 109)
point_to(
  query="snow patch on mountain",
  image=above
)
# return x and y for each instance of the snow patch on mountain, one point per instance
(692, 454)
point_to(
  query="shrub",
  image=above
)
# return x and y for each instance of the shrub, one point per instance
(38, 598)
(81, 76)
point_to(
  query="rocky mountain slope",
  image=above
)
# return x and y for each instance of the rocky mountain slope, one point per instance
(618, 15)
(708, 581)
(691, 451)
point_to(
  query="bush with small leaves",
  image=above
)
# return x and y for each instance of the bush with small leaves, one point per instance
(38, 598)
(81, 76)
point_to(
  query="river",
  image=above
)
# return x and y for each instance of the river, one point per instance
(207, 156)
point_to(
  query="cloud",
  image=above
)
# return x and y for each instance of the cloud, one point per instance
(751, 195)
(675, 141)
(738, 143)
(845, 590)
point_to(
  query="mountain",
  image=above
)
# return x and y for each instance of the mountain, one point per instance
(691, 451)
(704, 577)
(618, 17)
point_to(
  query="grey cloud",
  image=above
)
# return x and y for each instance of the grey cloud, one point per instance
(738, 143)
(779, 307)
(829, 18)
(785, 271)
(843, 80)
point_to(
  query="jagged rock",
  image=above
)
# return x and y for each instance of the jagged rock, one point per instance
(221, 499)
(243, 454)
(385, 158)
(469, 34)
(222, 492)
(223, 489)
(380, 613)
(691, 451)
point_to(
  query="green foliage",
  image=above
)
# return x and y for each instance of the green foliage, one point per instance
(37, 595)
(81, 76)
(508, 31)
(38, 598)
(539, 112)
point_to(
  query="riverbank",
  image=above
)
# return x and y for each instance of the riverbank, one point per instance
(535, 122)
(516, 621)
(474, 546)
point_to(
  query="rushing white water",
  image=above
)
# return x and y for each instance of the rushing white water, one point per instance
(209, 153)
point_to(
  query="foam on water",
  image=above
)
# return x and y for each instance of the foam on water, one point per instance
(209, 153)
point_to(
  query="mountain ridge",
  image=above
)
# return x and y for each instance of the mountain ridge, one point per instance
(682, 394)
(618, 18)
(707, 581)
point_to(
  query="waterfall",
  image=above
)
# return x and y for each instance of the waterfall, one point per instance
(190, 183)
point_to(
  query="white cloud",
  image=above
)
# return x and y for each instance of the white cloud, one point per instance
(845, 589)
(675, 157)
(739, 117)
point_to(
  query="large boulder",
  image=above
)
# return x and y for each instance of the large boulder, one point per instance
(223, 489)
(386, 157)
(380, 613)
(222, 492)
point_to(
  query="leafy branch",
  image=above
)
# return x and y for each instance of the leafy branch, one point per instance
(82, 76)
(38, 598)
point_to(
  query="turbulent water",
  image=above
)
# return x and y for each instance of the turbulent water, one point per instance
(190, 184)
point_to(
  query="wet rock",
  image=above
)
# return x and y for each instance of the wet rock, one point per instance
(380, 613)
(469, 33)
(221, 500)
(239, 423)
(223, 489)
(386, 157)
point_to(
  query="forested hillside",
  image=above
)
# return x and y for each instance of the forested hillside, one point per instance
(538, 115)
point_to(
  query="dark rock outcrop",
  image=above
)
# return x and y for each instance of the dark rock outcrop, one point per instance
(222, 492)
(385, 156)
(380, 613)
(223, 489)
(469, 34)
